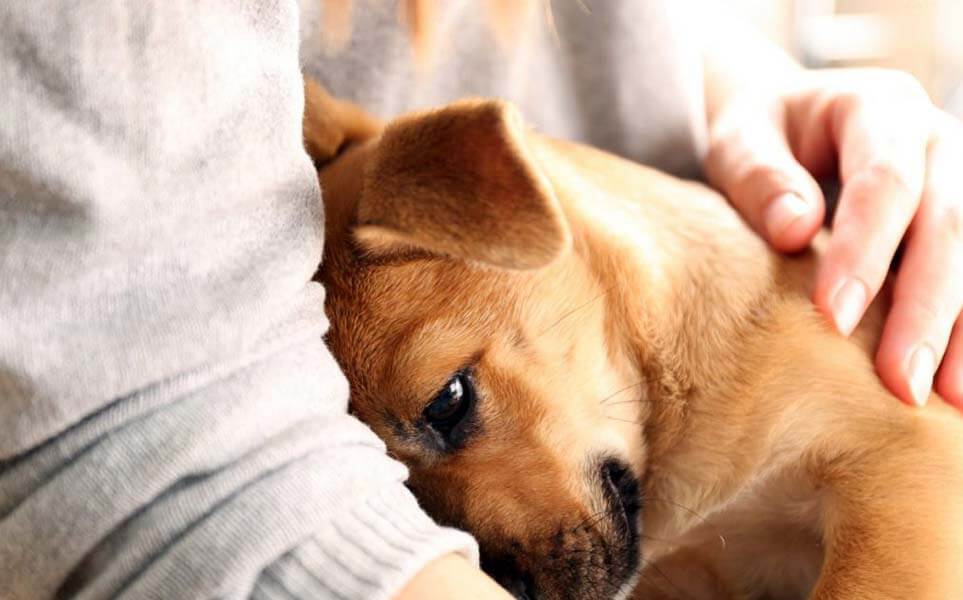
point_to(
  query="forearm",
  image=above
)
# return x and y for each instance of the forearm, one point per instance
(198, 494)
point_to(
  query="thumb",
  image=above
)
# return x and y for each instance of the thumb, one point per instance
(749, 160)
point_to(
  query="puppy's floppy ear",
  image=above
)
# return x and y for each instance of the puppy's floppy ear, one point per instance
(329, 124)
(460, 181)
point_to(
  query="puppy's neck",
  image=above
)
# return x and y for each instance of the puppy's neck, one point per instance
(694, 297)
(685, 277)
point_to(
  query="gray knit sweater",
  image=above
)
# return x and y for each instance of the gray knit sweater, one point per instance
(171, 425)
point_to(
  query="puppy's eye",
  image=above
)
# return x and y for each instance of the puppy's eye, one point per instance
(447, 411)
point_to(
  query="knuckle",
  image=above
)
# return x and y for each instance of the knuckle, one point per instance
(951, 221)
(931, 311)
(755, 173)
(721, 145)
(885, 173)
(927, 311)
(850, 255)
(850, 102)
(723, 152)
(759, 179)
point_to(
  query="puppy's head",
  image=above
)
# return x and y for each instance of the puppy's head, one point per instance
(469, 323)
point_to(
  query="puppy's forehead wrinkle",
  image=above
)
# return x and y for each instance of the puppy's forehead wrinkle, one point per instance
(401, 255)
(519, 339)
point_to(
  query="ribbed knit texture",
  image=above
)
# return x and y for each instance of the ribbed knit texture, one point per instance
(621, 75)
(365, 553)
(171, 424)
(170, 421)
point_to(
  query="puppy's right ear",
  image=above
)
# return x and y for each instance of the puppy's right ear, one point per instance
(461, 181)
(330, 124)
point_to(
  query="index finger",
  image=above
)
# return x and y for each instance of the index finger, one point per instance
(882, 153)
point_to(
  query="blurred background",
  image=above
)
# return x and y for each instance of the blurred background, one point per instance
(924, 37)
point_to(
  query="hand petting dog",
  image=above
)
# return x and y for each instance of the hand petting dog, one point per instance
(899, 160)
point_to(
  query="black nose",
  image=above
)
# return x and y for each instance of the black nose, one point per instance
(624, 494)
(520, 588)
(506, 571)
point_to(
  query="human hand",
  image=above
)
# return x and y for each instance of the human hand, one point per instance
(900, 161)
(452, 576)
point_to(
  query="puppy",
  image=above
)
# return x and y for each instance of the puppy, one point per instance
(607, 378)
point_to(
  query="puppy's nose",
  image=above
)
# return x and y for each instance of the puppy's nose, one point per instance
(623, 490)
(521, 588)
(506, 571)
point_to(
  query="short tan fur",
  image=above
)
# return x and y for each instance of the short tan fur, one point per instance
(609, 312)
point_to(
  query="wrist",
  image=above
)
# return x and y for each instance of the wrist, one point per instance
(451, 576)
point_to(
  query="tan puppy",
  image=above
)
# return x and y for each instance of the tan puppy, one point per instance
(604, 375)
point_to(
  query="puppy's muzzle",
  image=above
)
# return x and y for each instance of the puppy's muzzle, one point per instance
(623, 493)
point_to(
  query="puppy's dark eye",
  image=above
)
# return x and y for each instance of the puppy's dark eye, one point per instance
(448, 411)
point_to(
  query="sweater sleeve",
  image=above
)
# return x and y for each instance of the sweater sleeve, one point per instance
(171, 424)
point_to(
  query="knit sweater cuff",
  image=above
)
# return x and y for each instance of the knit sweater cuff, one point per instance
(369, 552)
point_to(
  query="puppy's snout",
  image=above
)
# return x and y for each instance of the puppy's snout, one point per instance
(520, 587)
(510, 576)
(623, 492)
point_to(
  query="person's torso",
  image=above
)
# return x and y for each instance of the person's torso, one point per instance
(617, 74)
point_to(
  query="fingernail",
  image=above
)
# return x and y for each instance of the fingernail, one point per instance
(922, 366)
(848, 303)
(782, 212)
